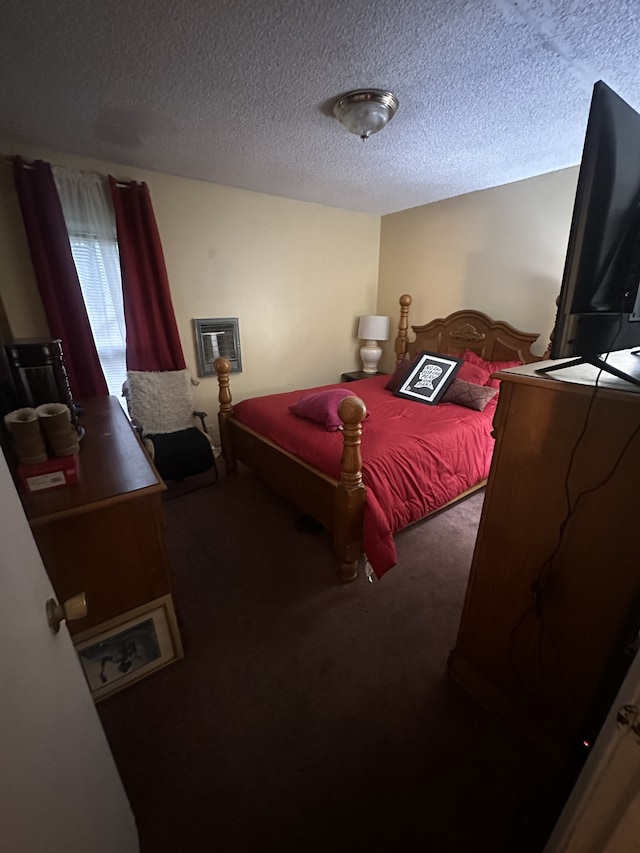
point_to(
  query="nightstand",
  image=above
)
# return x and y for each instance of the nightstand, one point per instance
(359, 374)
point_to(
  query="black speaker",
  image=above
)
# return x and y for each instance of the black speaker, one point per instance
(37, 373)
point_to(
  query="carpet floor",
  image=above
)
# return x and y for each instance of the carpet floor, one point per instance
(308, 715)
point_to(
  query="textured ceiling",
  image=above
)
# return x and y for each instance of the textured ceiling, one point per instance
(239, 92)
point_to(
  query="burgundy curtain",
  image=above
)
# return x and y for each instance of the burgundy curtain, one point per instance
(57, 276)
(152, 334)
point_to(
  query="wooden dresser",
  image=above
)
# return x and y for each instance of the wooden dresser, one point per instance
(554, 596)
(105, 534)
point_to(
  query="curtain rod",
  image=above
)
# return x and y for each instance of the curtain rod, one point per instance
(10, 160)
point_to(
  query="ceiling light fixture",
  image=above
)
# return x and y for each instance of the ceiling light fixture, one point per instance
(365, 111)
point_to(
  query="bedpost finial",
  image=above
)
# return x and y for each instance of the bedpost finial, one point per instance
(222, 365)
(405, 300)
(352, 410)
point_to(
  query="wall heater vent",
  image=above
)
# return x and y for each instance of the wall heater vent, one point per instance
(217, 337)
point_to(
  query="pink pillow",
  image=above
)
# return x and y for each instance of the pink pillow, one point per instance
(322, 407)
(489, 366)
(469, 372)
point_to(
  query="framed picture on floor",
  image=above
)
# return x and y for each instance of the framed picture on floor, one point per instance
(123, 650)
(429, 378)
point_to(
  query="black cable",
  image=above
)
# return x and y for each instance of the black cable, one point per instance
(543, 577)
(572, 509)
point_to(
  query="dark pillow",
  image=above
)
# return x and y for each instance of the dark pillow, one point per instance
(401, 372)
(489, 366)
(468, 394)
(322, 407)
(181, 454)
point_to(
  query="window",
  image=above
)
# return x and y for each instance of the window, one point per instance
(90, 219)
(98, 265)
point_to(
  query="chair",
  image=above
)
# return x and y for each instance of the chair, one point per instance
(160, 406)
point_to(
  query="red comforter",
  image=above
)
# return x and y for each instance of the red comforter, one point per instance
(415, 457)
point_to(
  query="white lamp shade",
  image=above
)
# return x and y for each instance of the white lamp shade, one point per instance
(373, 327)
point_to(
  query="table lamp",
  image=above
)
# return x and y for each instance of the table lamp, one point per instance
(372, 328)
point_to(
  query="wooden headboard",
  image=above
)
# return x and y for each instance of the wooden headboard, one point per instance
(493, 340)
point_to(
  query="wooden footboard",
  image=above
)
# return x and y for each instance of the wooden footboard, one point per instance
(337, 504)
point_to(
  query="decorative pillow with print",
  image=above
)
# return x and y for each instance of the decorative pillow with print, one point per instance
(468, 394)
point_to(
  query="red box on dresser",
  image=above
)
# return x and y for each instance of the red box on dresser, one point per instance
(58, 471)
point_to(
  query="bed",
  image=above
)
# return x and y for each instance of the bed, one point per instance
(392, 462)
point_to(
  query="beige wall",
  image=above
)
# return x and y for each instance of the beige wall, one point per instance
(500, 251)
(296, 275)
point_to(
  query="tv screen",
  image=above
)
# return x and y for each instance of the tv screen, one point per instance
(599, 304)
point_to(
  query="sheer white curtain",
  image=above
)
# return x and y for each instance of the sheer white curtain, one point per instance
(88, 212)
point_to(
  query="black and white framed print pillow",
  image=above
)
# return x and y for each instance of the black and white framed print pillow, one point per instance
(429, 378)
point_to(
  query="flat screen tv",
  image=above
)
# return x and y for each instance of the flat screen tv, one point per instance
(599, 303)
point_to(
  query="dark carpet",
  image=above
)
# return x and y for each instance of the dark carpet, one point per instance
(308, 715)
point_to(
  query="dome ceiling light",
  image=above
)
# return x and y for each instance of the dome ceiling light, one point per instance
(365, 111)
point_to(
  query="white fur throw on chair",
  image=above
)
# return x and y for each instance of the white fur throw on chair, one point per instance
(160, 401)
